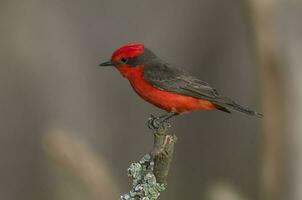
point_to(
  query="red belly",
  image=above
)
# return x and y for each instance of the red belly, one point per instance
(168, 101)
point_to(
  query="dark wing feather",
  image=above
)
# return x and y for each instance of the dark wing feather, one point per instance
(175, 80)
(164, 77)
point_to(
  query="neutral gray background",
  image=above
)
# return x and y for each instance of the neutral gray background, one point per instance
(49, 79)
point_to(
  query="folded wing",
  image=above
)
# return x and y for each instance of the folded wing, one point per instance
(165, 77)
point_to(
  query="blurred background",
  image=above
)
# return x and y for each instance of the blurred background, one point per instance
(69, 130)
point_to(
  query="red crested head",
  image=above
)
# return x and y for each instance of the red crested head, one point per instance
(128, 51)
(129, 59)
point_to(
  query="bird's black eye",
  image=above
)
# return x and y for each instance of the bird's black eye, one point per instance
(124, 60)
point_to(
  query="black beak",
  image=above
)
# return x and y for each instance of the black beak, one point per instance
(108, 63)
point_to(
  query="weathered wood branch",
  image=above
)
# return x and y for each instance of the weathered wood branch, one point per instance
(150, 173)
(162, 154)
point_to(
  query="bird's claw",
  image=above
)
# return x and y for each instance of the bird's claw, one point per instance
(155, 123)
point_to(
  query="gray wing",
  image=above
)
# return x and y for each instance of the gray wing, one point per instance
(175, 80)
(165, 77)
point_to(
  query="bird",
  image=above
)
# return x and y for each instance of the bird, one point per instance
(168, 87)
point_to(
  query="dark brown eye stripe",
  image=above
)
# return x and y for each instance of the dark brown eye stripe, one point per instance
(143, 58)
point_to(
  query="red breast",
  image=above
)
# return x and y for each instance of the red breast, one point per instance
(166, 100)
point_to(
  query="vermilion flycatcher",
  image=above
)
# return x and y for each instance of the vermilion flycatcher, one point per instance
(167, 87)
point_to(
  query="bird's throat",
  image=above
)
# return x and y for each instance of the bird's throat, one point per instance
(130, 72)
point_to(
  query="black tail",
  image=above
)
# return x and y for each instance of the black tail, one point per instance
(236, 107)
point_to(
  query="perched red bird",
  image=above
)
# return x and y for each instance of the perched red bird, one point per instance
(167, 87)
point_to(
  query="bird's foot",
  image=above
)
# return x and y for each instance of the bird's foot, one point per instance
(155, 123)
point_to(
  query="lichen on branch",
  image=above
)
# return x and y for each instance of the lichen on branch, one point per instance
(150, 173)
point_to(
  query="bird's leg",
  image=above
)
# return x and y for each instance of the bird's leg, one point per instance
(155, 123)
(160, 121)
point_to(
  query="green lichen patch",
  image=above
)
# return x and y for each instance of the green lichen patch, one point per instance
(145, 186)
